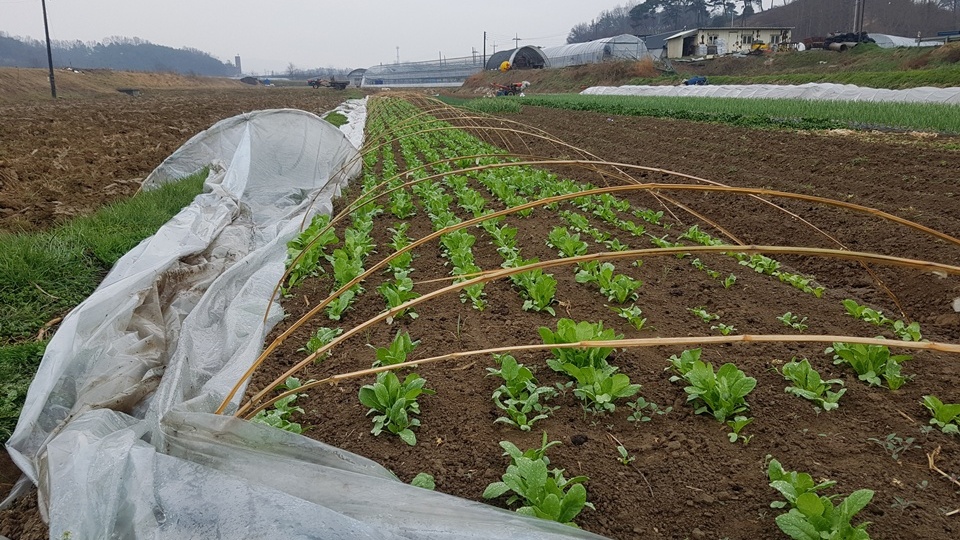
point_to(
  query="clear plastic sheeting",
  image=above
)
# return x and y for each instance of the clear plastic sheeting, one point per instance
(811, 91)
(439, 73)
(622, 47)
(117, 430)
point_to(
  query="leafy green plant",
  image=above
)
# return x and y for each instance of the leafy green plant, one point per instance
(683, 363)
(520, 396)
(600, 387)
(703, 314)
(946, 416)
(640, 409)
(309, 245)
(569, 331)
(792, 484)
(729, 281)
(625, 457)
(633, 315)
(865, 313)
(871, 362)
(816, 517)
(346, 267)
(720, 393)
(340, 304)
(401, 204)
(737, 425)
(724, 329)
(808, 384)
(541, 493)
(321, 337)
(395, 402)
(539, 453)
(895, 445)
(397, 292)
(424, 480)
(569, 245)
(907, 332)
(793, 321)
(283, 409)
(616, 287)
(812, 516)
(396, 352)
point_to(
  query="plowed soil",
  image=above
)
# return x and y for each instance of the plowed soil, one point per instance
(687, 480)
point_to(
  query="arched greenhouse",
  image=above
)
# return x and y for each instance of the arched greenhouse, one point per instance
(622, 47)
(434, 73)
(525, 57)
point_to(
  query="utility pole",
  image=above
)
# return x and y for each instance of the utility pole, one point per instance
(517, 41)
(494, 47)
(46, 30)
(484, 49)
(863, 8)
(398, 54)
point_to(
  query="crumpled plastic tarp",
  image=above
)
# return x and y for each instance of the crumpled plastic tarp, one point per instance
(811, 91)
(117, 431)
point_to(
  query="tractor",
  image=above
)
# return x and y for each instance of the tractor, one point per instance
(512, 89)
(332, 83)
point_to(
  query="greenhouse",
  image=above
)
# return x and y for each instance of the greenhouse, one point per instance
(356, 77)
(622, 47)
(434, 73)
(525, 57)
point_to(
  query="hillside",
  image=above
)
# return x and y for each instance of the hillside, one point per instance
(29, 84)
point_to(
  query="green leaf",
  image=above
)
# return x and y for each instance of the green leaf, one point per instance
(424, 480)
(795, 526)
(809, 504)
(408, 437)
(855, 502)
(573, 502)
(495, 490)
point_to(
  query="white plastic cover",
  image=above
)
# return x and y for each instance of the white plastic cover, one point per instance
(118, 431)
(811, 91)
(622, 47)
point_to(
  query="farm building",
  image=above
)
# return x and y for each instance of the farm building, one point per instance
(704, 41)
(434, 73)
(356, 77)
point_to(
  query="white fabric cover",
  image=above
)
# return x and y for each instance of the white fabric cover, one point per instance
(118, 431)
(811, 91)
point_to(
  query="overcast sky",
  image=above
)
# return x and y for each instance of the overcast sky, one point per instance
(269, 35)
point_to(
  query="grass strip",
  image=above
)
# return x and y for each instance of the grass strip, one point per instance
(43, 275)
(787, 113)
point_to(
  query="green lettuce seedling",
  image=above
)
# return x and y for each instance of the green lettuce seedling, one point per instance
(722, 393)
(946, 416)
(871, 362)
(395, 401)
(808, 384)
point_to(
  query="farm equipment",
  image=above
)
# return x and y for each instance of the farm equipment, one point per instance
(512, 89)
(759, 47)
(697, 80)
(332, 83)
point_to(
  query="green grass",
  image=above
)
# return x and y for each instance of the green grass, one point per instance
(336, 119)
(789, 113)
(43, 275)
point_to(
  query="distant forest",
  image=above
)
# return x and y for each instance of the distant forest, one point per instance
(119, 53)
(807, 17)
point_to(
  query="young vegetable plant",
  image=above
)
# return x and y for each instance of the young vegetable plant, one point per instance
(569, 245)
(724, 329)
(309, 245)
(569, 331)
(640, 410)
(397, 292)
(397, 351)
(283, 409)
(871, 362)
(812, 516)
(719, 393)
(729, 281)
(599, 388)
(616, 287)
(703, 314)
(625, 457)
(541, 493)
(395, 401)
(808, 384)
(792, 484)
(519, 397)
(793, 321)
(633, 315)
(737, 425)
(946, 416)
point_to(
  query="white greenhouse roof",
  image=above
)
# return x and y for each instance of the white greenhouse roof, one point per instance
(622, 47)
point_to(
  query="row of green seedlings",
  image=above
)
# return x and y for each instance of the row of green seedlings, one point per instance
(536, 288)
(508, 194)
(307, 250)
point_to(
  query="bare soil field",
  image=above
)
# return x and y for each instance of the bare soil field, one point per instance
(687, 480)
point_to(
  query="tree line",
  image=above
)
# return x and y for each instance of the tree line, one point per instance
(807, 17)
(119, 53)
